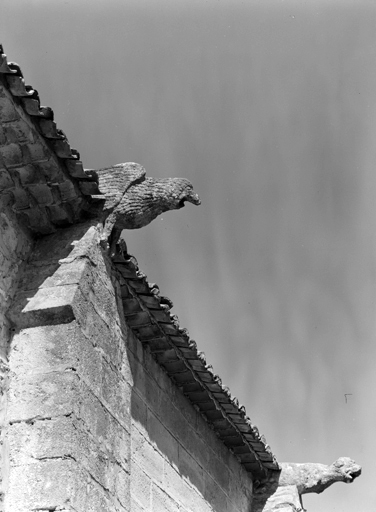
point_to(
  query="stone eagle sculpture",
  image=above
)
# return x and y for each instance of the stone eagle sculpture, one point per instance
(132, 200)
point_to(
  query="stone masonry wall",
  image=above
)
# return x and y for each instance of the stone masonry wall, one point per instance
(15, 247)
(177, 462)
(93, 423)
(67, 426)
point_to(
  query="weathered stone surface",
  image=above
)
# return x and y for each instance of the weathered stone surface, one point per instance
(7, 110)
(11, 155)
(69, 398)
(284, 488)
(177, 460)
(313, 477)
(5, 180)
(15, 246)
(133, 201)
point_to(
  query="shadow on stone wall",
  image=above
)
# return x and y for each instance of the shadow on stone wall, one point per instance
(173, 449)
(42, 275)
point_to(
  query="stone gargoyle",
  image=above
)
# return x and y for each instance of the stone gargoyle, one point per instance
(132, 200)
(284, 488)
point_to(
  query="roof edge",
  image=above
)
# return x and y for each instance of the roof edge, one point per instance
(148, 315)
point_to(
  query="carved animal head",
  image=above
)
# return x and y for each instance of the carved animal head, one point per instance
(347, 468)
(180, 190)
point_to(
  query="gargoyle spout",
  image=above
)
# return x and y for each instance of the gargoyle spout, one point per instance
(311, 477)
(283, 490)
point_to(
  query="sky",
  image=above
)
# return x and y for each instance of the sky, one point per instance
(269, 109)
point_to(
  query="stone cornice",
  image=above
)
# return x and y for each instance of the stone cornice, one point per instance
(148, 314)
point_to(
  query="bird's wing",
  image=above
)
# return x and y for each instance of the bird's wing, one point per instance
(114, 181)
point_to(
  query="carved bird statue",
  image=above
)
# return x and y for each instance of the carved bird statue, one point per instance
(132, 200)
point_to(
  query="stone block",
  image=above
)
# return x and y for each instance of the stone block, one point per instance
(95, 438)
(31, 280)
(139, 411)
(134, 346)
(67, 191)
(122, 487)
(75, 168)
(191, 470)
(15, 245)
(95, 499)
(3, 139)
(240, 485)
(214, 445)
(214, 495)
(89, 187)
(57, 246)
(116, 394)
(183, 491)
(162, 439)
(89, 364)
(181, 403)
(48, 348)
(50, 169)
(45, 485)
(144, 385)
(41, 193)
(18, 131)
(59, 215)
(42, 395)
(140, 487)
(219, 472)
(136, 506)
(5, 180)
(163, 502)
(7, 110)
(147, 457)
(109, 433)
(68, 273)
(44, 439)
(56, 484)
(49, 306)
(61, 148)
(6, 199)
(176, 423)
(21, 199)
(56, 348)
(28, 174)
(37, 152)
(37, 218)
(100, 333)
(160, 377)
(11, 155)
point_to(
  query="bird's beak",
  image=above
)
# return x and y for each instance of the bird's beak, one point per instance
(193, 198)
